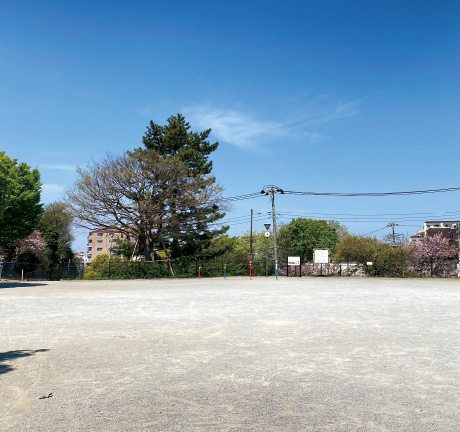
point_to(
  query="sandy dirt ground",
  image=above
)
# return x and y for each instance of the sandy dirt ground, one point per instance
(309, 354)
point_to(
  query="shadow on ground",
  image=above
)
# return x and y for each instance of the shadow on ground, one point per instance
(12, 355)
(19, 284)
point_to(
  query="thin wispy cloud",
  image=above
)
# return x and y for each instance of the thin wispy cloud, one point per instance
(325, 115)
(234, 127)
(60, 167)
(60, 153)
(245, 131)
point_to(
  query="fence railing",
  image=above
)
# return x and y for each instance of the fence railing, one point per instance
(36, 272)
(190, 267)
(184, 267)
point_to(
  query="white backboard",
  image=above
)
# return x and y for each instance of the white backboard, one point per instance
(321, 256)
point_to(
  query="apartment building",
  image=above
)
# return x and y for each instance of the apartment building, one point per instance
(447, 229)
(439, 224)
(103, 241)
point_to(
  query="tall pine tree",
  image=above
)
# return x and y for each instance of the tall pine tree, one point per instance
(177, 141)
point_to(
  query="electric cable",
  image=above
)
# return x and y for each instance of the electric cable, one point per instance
(342, 194)
(349, 194)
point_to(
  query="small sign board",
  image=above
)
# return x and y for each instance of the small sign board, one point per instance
(267, 233)
(321, 256)
(294, 261)
(250, 258)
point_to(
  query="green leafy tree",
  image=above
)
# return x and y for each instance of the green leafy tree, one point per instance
(56, 228)
(231, 251)
(259, 245)
(374, 257)
(342, 230)
(220, 245)
(360, 249)
(20, 207)
(99, 268)
(301, 236)
(176, 141)
(124, 248)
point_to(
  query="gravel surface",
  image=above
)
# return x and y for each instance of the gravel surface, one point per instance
(293, 354)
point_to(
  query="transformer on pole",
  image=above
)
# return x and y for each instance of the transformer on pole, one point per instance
(271, 190)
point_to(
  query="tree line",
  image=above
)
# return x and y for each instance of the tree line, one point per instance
(29, 231)
(164, 195)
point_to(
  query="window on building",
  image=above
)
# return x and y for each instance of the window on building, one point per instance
(90, 241)
(99, 249)
(99, 241)
(89, 248)
(100, 234)
(88, 256)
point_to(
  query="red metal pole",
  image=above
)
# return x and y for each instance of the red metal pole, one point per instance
(250, 269)
(199, 272)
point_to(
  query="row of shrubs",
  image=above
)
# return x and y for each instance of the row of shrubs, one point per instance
(115, 268)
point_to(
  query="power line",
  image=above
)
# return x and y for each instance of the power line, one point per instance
(242, 222)
(378, 214)
(377, 230)
(383, 217)
(342, 194)
(243, 197)
(349, 194)
(341, 217)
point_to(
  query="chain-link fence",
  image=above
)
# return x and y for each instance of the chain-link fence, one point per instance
(36, 272)
(183, 267)
(191, 267)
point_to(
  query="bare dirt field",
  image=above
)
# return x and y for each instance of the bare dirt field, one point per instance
(309, 354)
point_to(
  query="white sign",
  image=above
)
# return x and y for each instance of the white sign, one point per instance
(267, 234)
(321, 256)
(294, 261)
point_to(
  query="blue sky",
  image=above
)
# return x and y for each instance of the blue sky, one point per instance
(323, 96)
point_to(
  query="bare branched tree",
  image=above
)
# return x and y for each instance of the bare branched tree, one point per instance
(135, 193)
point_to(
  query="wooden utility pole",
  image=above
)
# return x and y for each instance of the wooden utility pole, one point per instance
(250, 237)
(392, 225)
(271, 190)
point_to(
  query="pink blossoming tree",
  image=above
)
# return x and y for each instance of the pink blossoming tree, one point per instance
(32, 248)
(434, 256)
